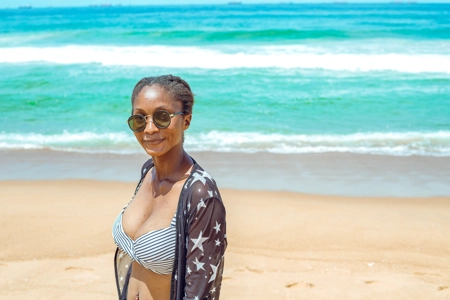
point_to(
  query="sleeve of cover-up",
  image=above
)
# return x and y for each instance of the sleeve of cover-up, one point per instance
(206, 244)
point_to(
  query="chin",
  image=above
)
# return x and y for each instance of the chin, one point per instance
(154, 152)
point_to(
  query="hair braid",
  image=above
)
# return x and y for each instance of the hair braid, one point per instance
(178, 88)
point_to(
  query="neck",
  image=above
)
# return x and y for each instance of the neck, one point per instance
(172, 166)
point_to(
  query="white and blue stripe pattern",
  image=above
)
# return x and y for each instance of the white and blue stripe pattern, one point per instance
(154, 250)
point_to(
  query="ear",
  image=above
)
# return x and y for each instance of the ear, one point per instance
(187, 121)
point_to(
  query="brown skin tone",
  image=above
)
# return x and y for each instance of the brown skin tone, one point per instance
(156, 201)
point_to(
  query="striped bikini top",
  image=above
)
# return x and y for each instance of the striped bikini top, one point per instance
(154, 250)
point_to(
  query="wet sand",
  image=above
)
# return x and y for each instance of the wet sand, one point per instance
(334, 174)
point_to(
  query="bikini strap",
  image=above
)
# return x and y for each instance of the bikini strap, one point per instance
(146, 167)
(144, 170)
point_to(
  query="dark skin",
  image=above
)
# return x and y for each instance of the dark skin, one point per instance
(156, 201)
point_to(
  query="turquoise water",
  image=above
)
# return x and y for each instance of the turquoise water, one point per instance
(278, 78)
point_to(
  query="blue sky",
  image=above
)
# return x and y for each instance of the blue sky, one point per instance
(45, 3)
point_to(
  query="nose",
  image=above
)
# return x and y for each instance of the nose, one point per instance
(150, 127)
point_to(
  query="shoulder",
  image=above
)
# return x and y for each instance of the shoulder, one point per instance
(201, 186)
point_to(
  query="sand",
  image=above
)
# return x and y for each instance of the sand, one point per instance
(57, 243)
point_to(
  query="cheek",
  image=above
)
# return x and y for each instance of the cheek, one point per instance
(138, 136)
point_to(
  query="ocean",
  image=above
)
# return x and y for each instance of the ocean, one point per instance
(283, 78)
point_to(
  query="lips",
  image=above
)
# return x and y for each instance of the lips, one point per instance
(153, 141)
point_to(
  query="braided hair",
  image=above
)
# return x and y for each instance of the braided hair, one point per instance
(174, 85)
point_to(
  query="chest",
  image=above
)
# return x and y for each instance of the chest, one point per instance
(150, 209)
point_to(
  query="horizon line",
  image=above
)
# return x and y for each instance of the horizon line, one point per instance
(233, 4)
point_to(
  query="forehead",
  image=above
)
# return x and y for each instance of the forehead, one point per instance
(155, 97)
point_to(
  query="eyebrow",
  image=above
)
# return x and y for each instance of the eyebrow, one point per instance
(138, 109)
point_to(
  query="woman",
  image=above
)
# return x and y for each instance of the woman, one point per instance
(171, 236)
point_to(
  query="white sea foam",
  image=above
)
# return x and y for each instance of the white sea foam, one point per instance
(225, 58)
(74, 142)
(395, 143)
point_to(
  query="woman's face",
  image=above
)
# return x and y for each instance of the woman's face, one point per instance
(154, 140)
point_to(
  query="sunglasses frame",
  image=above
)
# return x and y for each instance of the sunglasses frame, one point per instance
(152, 120)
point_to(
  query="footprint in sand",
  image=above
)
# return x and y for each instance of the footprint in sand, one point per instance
(292, 284)
(369, 281)
(289, 285)
(255, 270)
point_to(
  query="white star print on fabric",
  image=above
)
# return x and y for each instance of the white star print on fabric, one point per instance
(121, 278)
(197, 177)
(189, 270)
(217, 227)
(217, 242)
(196, 298)
(210, 193)
(198, 264)
(200, 204)
(198, 243)
(213, 276)
(205, 174)
(189, 206)
(213, 290)
(121, 254)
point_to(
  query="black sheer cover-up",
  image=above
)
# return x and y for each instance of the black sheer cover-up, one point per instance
(201, 243)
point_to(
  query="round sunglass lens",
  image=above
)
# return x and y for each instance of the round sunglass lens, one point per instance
(137, 123)
(161, 118)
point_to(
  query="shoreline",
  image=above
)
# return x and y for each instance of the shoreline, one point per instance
(314, 247)
(334, 174)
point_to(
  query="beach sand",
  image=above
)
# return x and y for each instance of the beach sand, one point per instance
(57, 243)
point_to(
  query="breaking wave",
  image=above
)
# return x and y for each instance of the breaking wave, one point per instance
(391, 143)
(222, 58)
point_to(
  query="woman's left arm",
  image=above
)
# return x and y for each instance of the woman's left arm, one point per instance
(206, 246)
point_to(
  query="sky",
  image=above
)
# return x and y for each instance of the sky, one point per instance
(46, 3)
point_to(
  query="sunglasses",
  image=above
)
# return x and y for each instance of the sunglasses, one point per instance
(160, 118)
